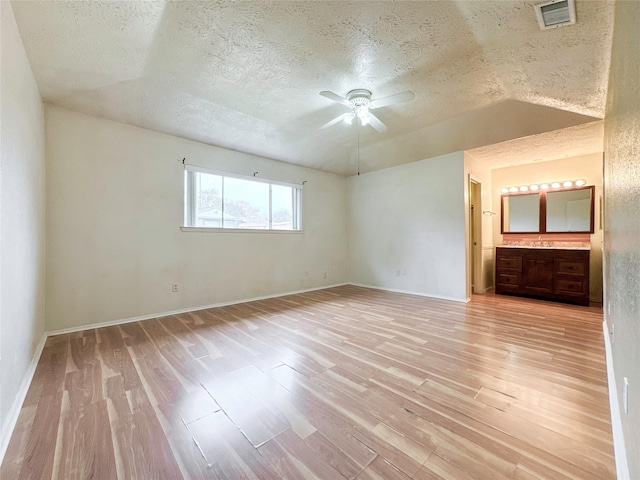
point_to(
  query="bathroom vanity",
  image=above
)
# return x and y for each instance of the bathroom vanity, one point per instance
(553, 273)
(546, 229)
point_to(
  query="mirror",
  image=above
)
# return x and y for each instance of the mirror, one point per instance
(570, 211)
(521, 213)
(558, 211)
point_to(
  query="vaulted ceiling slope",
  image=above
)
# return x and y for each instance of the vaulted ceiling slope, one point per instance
(246, 74)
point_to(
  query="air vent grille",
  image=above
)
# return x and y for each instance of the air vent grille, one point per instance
(556, 13)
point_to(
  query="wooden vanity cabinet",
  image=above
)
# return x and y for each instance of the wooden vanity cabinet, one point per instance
(547, 273)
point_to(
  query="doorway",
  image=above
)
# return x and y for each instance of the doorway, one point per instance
(475, 235)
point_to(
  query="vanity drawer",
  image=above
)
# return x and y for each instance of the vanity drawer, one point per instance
(570, 286)
(570, 266)
(509, 280)
(509, 263)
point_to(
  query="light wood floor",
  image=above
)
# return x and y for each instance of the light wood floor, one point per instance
(340, 383)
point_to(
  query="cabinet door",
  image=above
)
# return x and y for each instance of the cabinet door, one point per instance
(537, 275)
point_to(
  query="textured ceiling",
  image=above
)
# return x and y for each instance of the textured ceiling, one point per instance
(565, 143)
(246, 74)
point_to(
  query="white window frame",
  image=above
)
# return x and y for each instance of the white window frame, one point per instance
(190, 201)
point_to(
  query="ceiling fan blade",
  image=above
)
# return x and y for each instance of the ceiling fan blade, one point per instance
(336, 98)
(376, 123)
(334, 121)
(392, 99)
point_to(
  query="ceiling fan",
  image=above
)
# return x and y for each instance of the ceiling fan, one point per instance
(359, 103)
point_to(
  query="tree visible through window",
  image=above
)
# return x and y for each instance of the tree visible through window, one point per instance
(221, 201)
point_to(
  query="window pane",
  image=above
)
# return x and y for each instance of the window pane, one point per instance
(208, 201)
(246, 204)
(215, 201)
(282, 217)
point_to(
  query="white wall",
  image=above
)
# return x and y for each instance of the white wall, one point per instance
(410, 219)
(622, 224)
(587, 167)
(22, 222)
(115, 207)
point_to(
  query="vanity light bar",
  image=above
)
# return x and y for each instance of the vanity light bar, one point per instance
(543, 186)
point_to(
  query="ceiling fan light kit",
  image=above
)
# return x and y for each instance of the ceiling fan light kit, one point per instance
(361, 101)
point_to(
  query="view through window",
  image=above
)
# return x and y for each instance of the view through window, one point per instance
(214, 200)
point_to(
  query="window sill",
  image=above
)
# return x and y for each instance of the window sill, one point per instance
(236, 230)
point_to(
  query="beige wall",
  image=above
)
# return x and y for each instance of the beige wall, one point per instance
(407, 228)
(587, 167)
(115, 207)
(622, 220)
(22, 223)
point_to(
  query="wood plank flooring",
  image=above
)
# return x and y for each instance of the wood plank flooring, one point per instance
(339, 383)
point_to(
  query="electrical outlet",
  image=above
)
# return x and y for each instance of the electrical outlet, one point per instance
(625, 395)
(174, 287)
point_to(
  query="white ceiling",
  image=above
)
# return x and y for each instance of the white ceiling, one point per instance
(246, 74)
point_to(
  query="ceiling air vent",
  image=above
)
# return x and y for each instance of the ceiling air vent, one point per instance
(556, 13)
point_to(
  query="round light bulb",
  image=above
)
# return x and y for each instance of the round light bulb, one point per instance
(567, 184)
(555, 185)
(533, 187)
(504, 190)
(580, 183)
(544, 186)
(524, 188)
(513, 189)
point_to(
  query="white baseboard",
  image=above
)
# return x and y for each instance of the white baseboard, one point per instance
(619, 450)
(182, 310)
(409, 292)
(16, 406)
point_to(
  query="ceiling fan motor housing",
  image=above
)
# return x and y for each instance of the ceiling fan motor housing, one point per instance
(360, 97)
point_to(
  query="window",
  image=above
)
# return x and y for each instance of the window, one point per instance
(215, 200)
